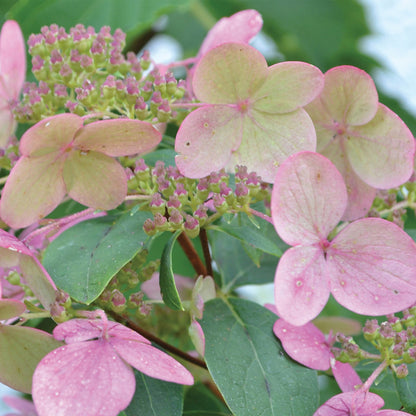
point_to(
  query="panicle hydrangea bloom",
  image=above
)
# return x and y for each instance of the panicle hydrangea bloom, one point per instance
(60, 155)
(12, 76)
(251, 113)
(92, 374)
(369, 266)
(368, 143)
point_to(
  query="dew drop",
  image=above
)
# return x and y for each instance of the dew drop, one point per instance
(299, 283)
(47, 124)
(84, 152)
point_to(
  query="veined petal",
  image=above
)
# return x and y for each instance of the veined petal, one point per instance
(240, 27)
(83, 379)
(301, 284)
(33, 189)
(362, 403)
(350, 95)
(308, 198)
(206, 139)
(94, 179)
(151, 361)
(360, 195)
(7, 124)
(49, 135)
(268, 139)
(288, 86)
(229, 74)
(10, 308)
(12, 59)
(120, 137)
(372, 264)
(382, 151)
(306, 344)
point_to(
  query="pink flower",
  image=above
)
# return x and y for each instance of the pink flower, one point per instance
(366, 141)
(15, 255)
(91, 375)
(12, 75)
(25, 407)
(356, 404)
(251, 113)
(369, 266)
(241, 27)
(307, 345)
(60, 155)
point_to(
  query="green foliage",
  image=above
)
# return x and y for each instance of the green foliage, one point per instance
(168, 289)
(155, 397)
(200, 401)
(84, 258)
(248, 364)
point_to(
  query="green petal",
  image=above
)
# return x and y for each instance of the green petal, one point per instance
(229, 73)
(119, 137)
(94, 179)
(33, 189)
(268, 139)
(289, 85)
(381, 152)
(50, 134)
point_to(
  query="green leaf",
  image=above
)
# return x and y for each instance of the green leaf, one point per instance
(21, 349)
(84, 258)
(200, 401)
(263, 236)
(131, 16)
(241, 270)
(155, 397)
(406, 388)
(168, 289)
(248, 364)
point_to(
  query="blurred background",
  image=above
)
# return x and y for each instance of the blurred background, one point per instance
(378, 36)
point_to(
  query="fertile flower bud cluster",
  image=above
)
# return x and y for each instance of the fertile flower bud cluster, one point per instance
(83, 71)
(182, 203)
(395, 339)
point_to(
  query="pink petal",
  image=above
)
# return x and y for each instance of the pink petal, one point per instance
(352, 403)
(372, 264)
(38, 181)
(120, 137)
(119, 331)
(83, 379)
(308, 198)
(229, 74)
(7, 123)
(94, 179)
(349, 95)
(360, 195)
(10, 308)
(12, 60)
(151, 361)
(206, 139)
(346, 377)
(306, 344)
(288, 86)
(25, 407)
(301, 284)
(49, 135)
(382, 151)
(21, 349)
(197, 337)
(240, 27)
(268, 139)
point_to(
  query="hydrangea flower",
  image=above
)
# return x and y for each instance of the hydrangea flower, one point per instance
(91, 375)
(60, 155)
(23, 406)
(12, 75)
(356, 404)
(368, 143)
(251, 113)
(369, 266)
(15, 255)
